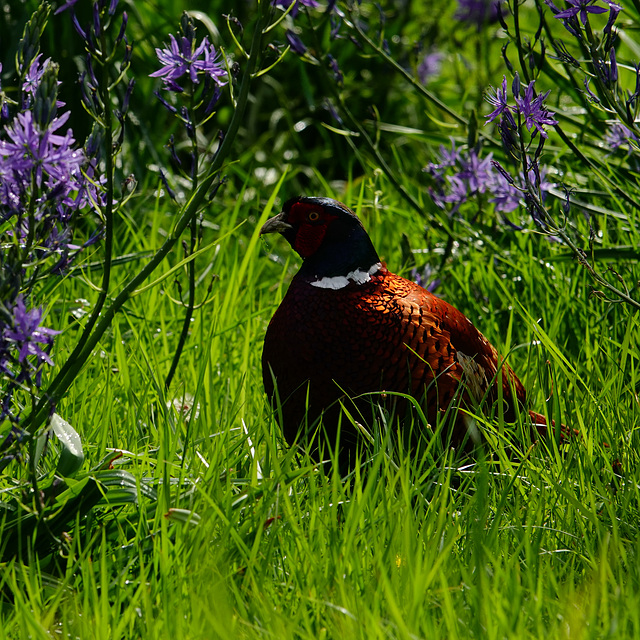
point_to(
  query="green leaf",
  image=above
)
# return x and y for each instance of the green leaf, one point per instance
(72, 455)
(41, 441)
(472, 132)
(123, 488)
(185, 516)
(622, 252)
(29, 531)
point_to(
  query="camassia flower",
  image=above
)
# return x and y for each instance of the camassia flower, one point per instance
(580, 8)
(184, 57)
(45, 180)
(33, 79)
(619, 136)
(532, 108)
(430, 66)
(463, 174)
(478, 12)
(498, 99)
(578, 12)
(459, 174)
(28, 335)
(44, 155)
(528, 105)
(24, 349)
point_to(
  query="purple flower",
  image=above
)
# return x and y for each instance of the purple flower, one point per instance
(506, 197)
(34, 75)
(65, 6)
(430, 66)
(337, 74)
(533, 110)
(295, 43)
(30, 151)
(33, 80)
(458, 191)
(183, 57)
(446, 159)
(535, 114)
(619, 135)
(43, 171)
(449, 158)
(476, 173)
(580, 7)
(614, 10)
(425, 278)
(552, 6)
(571, 24)
(472, 176)
(498, 99)
(464, 174)
(27, 334)
(285, 4)
(478, 12)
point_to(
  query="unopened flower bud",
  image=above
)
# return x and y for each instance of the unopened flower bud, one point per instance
(515, 86)
(46, 97)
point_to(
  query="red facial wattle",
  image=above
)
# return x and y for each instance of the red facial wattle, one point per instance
(311, 222)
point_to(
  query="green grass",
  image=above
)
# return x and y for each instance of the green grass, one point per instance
(248, 539)
(213, 528)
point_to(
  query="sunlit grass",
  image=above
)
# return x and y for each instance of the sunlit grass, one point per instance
(229, 533)
(248, 539)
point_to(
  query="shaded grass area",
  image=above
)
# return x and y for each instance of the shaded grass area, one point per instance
(246, 538)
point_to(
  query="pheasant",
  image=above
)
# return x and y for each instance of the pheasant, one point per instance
(349, 332)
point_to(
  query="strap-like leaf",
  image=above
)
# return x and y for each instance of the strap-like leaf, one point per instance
(72, 455)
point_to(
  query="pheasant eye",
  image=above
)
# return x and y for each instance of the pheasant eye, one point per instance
(313, 216)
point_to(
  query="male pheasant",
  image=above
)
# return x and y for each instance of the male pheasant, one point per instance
(347, 326)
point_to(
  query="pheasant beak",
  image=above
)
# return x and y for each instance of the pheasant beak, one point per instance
(277, 224)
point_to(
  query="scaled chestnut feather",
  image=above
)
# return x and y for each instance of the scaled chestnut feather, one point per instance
(347, 326)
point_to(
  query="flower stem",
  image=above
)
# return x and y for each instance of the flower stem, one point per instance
(65, 377)
(191, 267)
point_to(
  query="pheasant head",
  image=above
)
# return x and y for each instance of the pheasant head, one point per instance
(330, 238)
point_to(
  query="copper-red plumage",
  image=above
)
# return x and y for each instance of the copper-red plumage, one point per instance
(324, 345)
